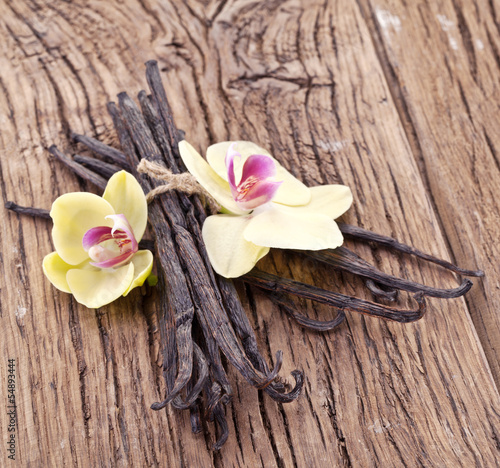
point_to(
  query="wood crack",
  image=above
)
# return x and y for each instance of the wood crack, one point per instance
(332, 413)
(269, 432)
(466, 40)
(111, 365)
(83, 88)
(76, 339)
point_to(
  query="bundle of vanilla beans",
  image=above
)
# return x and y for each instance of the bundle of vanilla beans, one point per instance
(201, 315)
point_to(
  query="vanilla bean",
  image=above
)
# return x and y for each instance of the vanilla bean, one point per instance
(108, 154)
(216, 414)
(123, 136)
(342, 258)
(160, 98)
(158, 130)
(195, 419)
(364, 234)
(194, 410)
(284, 285)
(221, 424)
(194, 392)
(78, 169)
(248, 340)
(237, 315)
(217, 371)
(28, 211)
(184, 350)
(102, 168)
(317, 325)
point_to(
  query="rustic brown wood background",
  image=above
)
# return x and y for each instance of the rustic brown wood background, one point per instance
(399, 100)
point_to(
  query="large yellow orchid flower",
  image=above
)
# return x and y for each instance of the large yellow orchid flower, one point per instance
(263, 206)
(96, 240)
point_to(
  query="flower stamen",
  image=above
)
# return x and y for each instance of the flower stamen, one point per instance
(111, 247)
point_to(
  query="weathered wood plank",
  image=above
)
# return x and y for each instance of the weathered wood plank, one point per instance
(306, 82)
(442, 61)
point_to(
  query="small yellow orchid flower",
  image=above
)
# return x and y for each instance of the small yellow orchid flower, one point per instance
(264, 206)
(96, 240)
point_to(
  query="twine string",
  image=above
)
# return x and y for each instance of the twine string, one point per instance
(184, 182)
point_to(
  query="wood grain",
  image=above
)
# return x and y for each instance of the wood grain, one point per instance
(443, 65)
(339, 91)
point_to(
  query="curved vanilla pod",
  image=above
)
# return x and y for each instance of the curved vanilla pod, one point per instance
(196, 389)
(359, 233)
(344, 259)
(389, 294)
(285, 285)
(246, 334)
(291, 309)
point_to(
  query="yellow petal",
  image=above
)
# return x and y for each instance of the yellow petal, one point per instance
(208, 178)
(304, 231)
(126, 196)
(230, 254)
(55, 269)
(74, 214)
(143, 264)
(96, 288)
(291, 192)
(330, 200)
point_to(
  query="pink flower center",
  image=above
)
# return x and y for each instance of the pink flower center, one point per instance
(111, 247)
(257, 185)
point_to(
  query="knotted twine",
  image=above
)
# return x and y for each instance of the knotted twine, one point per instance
(184, 182)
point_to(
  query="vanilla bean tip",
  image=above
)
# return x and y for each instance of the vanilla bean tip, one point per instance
(389, 295)
(159, 405)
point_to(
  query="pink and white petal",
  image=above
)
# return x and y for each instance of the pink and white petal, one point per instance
(292, 192)
(216, 156)
(95, 236)
(74, 214)
(143, 264)
(208, 178)
(330, 200)
(278, 228)
(259, 166)
(229, 253)
(126, 196)
(96, 288)
(230, 155)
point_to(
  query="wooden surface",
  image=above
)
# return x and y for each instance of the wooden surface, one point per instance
(398, 100)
